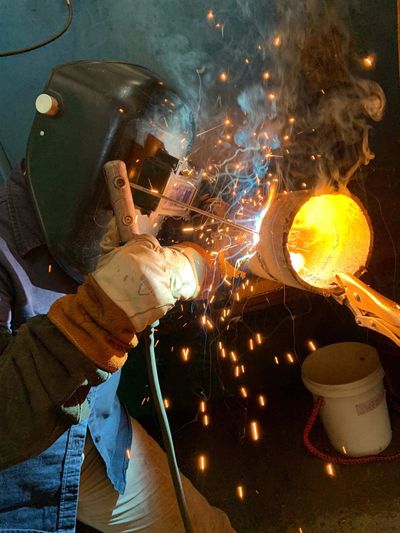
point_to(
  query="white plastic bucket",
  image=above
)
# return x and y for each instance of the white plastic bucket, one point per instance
(349, 377)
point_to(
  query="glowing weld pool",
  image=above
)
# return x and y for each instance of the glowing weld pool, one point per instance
(306, 240)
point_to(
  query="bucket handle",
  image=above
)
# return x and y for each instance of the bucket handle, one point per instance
(338, 459)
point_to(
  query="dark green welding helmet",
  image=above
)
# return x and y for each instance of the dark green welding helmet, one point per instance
(92, 112)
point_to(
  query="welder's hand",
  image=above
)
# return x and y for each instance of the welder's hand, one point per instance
(145, 279)
(133, 286)
(111, 238)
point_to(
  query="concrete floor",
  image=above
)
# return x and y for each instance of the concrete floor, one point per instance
(287, 488)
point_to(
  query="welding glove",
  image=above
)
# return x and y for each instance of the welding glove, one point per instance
(133, 286)
(145, 279)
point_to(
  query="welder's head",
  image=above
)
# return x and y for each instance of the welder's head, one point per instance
(92, 112)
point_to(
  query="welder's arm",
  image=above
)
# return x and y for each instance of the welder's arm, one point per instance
(47, 368)
(44, 381)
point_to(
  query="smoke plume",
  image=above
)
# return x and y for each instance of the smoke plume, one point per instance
(287, 76)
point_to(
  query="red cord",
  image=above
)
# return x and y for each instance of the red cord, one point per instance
(338, 459)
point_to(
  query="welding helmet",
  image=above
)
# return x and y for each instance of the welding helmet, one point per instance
(92, 112)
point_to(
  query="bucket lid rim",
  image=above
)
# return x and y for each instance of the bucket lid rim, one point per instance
(351, 386)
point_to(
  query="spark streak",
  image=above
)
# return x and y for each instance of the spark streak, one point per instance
(240, 492)
(255, 434)
(202, 462)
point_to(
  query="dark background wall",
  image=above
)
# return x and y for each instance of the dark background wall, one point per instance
(173, 38)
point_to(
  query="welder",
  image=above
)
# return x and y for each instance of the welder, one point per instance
(69, 313)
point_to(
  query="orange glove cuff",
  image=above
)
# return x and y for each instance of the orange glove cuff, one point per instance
(95, 325)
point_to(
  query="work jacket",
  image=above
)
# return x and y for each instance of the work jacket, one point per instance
(50, 393)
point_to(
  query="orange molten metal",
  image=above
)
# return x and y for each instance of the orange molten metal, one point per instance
(330, 234)
(305, 240)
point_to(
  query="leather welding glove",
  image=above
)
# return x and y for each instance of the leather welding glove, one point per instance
(145, 279)
(133, 286)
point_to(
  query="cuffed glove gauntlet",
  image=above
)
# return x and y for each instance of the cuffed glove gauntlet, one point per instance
(133, 286)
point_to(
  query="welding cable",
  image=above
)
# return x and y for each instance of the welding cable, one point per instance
(338, 459)
(47, 41)
(164, 425)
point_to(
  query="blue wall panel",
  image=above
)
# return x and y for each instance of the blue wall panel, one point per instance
(171, 37)
(100, 30)
(158, 34)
